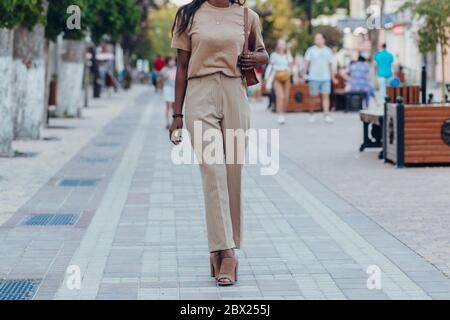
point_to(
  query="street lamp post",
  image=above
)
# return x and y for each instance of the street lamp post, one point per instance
(310, 16)
(309, 13)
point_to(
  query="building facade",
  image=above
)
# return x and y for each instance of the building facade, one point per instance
(398, 31)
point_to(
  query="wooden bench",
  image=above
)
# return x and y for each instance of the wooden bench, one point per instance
(301, 101)
(410, 94)
(372, 138)
(348, 100)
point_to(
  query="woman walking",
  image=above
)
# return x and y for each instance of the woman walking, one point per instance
(168, 73)
(359, 79)
(281, 62)
(209, 36)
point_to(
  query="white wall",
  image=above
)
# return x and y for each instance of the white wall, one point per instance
(357, 9)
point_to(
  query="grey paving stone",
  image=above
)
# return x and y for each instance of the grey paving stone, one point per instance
(313, 243)
(364, 294)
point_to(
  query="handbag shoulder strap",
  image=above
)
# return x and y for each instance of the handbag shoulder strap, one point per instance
(246, 29)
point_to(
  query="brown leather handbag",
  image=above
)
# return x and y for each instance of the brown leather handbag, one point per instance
(249, 76)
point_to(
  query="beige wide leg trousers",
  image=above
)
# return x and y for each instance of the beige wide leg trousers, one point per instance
(219, 104)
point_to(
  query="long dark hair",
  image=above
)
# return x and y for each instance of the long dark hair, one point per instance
(186, 13)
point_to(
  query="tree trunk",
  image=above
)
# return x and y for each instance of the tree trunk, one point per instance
(29, 82)
(443, 84)
(48, 73)
(97, 88)
(374, 34)
(86, 76)
(70, 79)
(6, 114)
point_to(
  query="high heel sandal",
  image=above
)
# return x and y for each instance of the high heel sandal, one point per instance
(215, 264)
(228, 272)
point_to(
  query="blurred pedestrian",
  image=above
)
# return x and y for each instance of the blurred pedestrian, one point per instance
(268, 87)
(158, 65)
(110, 82)
(318, 66)
(122, 77)
(128, 77)
(257, 89)
(281, 63)
(358, 76)
(169, 74)
(154, 76)
(384, 60)
(400, 74)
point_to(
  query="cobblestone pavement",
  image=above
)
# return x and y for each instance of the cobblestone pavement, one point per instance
(139, 228)
(23, 176)
(413, 204)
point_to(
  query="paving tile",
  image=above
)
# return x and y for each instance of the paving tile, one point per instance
(142, 233)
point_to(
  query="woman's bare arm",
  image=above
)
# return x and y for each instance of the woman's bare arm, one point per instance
(183, 58)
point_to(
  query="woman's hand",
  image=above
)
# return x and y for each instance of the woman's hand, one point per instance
(177, 124)
(248, 61)
(253, 60)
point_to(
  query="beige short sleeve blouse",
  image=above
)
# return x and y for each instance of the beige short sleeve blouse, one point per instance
(216, 39)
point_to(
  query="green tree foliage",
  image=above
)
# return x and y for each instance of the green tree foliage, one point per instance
(301, 40)
(112, 18)
(25, 12)
(131, 17)
(328, 7)
(159, 35)
(334, 37)
(278, 23)
(288, 19)
(57, 17)
(436, 23)
(435, 29)
(280, 19)
(320, 7)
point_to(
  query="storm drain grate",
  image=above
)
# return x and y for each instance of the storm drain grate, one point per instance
(51, 138)
(19, 154)
(77, 183)
(50, 220)
(23, 289)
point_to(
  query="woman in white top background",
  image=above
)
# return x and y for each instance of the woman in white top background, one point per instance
(281, 64)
